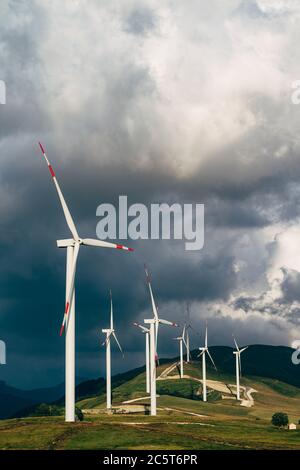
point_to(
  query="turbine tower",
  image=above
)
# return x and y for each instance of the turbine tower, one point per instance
(181, 340)
(153, 325)
(238, 367)
(110, 332)
(146, 332)
(203, 353)
(72, 245)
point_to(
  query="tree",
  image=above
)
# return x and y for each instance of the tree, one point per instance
(280, 420)
(41, 410)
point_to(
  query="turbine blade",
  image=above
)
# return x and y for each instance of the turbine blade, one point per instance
(156, 336)
(244, 349)
(209, 355)
(237, 348)
(70, 288)
(143, 328)
(187, 337)
(201, 353)
(166, 322)
(206, 336)
(107, 339)
(103, 244)
(154, 309)
(156, 360)
(188, 315)
(66, 211)
(116, 339)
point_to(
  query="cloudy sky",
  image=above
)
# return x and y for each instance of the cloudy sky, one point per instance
(162, 101)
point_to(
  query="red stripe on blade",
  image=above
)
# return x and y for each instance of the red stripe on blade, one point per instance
(67, 308)
(61, 330)
(41, 147)
(51, 171)
(122, 247)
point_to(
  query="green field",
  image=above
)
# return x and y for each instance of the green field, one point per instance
(183, 420)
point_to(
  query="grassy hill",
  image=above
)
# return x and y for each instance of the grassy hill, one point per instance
(181, 423)
(271, 394)
(266, 362)
(270, 365)
(184, 421)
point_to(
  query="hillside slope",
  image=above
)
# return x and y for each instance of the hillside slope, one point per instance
(13, 399)
(266, 362)
(269, 362)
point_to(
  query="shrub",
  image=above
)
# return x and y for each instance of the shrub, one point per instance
(44, 409)
(280, 419)
(79, 414)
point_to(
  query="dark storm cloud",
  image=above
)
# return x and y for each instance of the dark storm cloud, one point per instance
(141, 21)
(97, 87)
(290, 285)
(21, 25)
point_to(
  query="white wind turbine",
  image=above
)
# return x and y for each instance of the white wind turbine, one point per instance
(73, 244)
(146, 332)
(154, 324)
(238, 367)
(203, 353)
(110, 332)
(182, 341)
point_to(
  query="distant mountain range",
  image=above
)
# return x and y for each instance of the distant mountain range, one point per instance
(12, 399)
(273, 362)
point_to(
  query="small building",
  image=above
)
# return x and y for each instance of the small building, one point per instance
(292, 426)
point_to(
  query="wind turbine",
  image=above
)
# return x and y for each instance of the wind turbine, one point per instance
(156, 319)
(146, 332)
(110, 332)
(203, 352)
(154, 323)
(181, 340)
(72, 244)
(238, 367)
